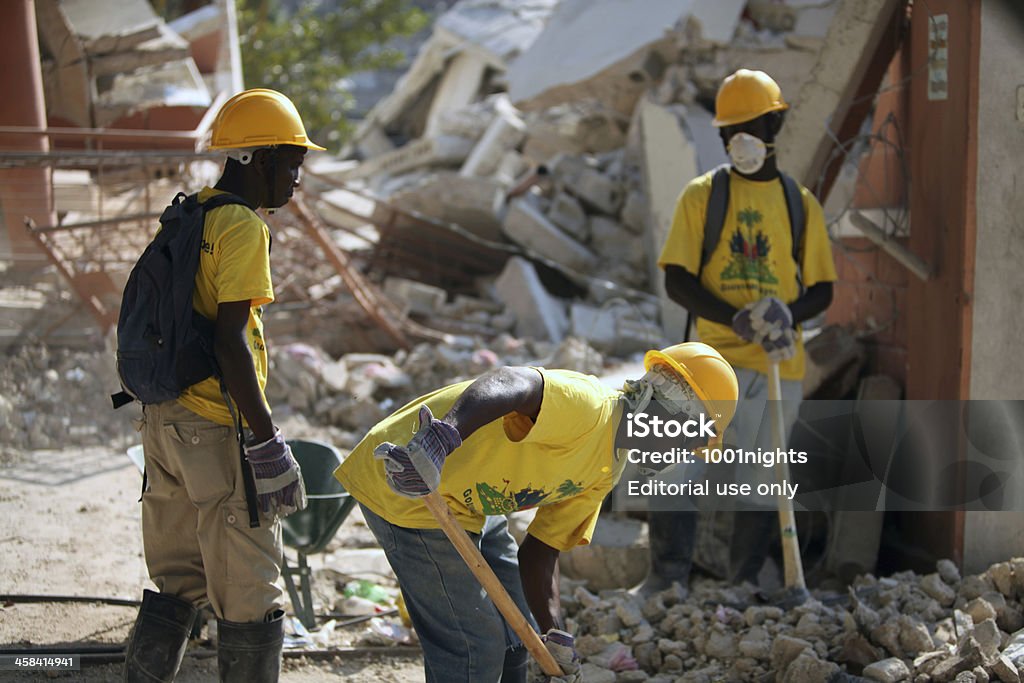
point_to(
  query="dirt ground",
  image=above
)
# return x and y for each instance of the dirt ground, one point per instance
(69, 526)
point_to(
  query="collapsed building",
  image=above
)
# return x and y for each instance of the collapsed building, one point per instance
(506, 204)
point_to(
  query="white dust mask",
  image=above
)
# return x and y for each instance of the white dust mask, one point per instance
(747, 153)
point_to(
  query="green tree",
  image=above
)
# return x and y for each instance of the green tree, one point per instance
(304, 49)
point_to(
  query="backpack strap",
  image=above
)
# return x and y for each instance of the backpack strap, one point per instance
(797, 222)
(714, 215)
(714, 220)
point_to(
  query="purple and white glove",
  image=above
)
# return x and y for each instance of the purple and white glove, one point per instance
(414, 470)
(781, 347)
(562, 647)
(742, 324)
(278, 478)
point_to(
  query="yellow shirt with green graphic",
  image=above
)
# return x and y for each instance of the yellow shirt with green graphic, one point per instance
(753, 258)
(564, 464)
(234, 266)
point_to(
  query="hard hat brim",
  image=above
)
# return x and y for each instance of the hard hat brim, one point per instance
(722, 122)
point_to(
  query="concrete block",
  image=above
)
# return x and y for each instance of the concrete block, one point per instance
(589, 185)
(538, 314)
(447, 196)
(504, 133)
(566, 213)
(597, 326)
(615, 330)
(459, 86)
(416, 297)
(609, 239)
(528, 227)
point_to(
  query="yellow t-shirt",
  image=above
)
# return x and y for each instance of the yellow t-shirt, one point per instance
(753, 258)
(234, 266)
(565, 463)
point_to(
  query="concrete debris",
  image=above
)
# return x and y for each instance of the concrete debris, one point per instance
(53, 398)
(886, 630)
(525, 126)
(538, 314)
(531, 229)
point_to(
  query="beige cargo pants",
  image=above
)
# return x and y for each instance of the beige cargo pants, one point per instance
(195, 522)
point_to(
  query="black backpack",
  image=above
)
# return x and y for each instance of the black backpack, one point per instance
(163, 345)
(718, 205)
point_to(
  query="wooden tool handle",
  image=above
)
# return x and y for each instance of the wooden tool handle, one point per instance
(793, 566)
(485, 575)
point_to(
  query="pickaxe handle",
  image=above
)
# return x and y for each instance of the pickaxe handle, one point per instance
(485, 575)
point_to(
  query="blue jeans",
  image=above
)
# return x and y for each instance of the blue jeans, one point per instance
(464, 637)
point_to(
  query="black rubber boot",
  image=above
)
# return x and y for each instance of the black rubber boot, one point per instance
(752, 535)
(672, 536)
(250, 653)
(515, 666)
(158, 639)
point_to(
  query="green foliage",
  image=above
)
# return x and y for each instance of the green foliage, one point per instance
(305, 52)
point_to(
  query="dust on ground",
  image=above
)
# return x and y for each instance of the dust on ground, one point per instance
(70, 526)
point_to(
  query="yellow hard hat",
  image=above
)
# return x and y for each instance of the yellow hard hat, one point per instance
(259, 118)
(745, 95)
(708, 374)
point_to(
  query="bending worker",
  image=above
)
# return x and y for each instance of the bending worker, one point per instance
(749, 255)
(513, 439)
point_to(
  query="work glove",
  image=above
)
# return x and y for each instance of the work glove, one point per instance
(781, 346)
(278, 478)
(767, 317)
(414, 470)
(562, 647)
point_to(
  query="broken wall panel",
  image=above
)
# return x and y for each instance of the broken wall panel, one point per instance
(854, 35)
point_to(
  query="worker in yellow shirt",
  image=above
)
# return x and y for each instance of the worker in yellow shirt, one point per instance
(747, 255)
(513, 439)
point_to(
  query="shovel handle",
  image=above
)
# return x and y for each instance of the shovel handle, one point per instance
(792, 564)
(485, 575)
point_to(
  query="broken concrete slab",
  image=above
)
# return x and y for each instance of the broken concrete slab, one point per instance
(105, 26)
(585, 37)
(589, 185)
(442, 150)
(415, 297)
(499, 30)
(529, 227)
(459, 86)
(573, 128)
(538, 314)
(566, 213)
(669, 162)
(448, 196)
(609, 239)
(175, 83)
(504, 133)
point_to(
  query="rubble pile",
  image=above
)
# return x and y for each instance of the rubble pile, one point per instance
(938, 627)
(56, 398)
(350, 395)
(565, 144)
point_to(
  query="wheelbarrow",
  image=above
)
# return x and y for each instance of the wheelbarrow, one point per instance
(310, 530)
